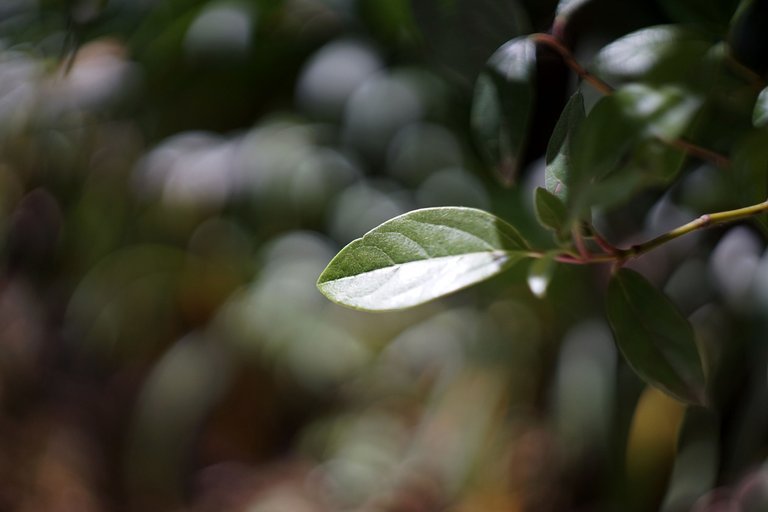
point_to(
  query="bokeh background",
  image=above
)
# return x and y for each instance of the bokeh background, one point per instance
(174, 176)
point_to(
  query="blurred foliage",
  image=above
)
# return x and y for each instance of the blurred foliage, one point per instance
(175, 175)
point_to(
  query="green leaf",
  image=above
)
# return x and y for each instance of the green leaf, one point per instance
(503, 104)
(558, 149)
(656, 340)
(748, 35)
(420, 256)
(760, 114)
(618, 122)
(540, 274)
(660, 54)
(551, 211)
(716, 13)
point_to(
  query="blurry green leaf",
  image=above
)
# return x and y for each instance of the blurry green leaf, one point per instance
(551, 211)
(657, 341)
(760, 114)
(420, 256)
(617, 122)
(503, 104)
(714, 12)
(748, 35)
(662, 53)
(484, 25)
(540, 274)
(750, 171)
(558, 149)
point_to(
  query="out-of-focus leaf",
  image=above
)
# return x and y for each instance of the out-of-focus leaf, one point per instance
(551, 211)
(503, 104)
(748, 35)
(760, 114)
(633, 113)
(657, 54)
(540, 274)
(750, 171)
(484, 25)
(657, 341)
(420, 256)
(712, 12)
(558, 149)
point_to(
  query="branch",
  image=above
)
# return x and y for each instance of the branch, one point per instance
(705, 221)
(572, 63)
(620, 256)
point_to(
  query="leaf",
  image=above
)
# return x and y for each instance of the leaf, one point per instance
(502, 106)
(660, 54)
(748, 35)
(760, 114)
(618, 122)
(716, 13)
(540, 274)
(551, 211)
(656, 340)
(484, 25)
(419, 256)
(558, 149)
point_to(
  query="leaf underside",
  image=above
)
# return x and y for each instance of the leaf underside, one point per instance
(420, 256)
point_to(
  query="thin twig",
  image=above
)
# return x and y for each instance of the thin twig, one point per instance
(619, 256)
(572, 63)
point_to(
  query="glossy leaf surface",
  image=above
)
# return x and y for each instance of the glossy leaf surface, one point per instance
(420, 256)
(558, 150)
(551, 211)
(760, 114)
(503, 104)
(657, 54)
(615, 125)
(656, 340)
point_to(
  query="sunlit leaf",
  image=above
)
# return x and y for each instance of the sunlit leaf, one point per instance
(540, 274)
(760, 114)
(558, 149)
(420, 256)
(656, 340)
(662, 53)
(551, 211)
(503, 104)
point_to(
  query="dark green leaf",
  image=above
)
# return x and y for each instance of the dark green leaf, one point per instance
(748, 35)
(540, 274)
(502, 106)
(551, 211)
(760, 114)
(558, 149)
(663, 53)
(618, 122)
(716, 13)
(656, 340)
(420, 256)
